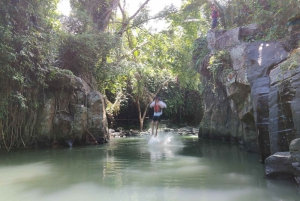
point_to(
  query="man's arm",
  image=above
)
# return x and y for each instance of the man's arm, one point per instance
(162, 104)
(152, 104)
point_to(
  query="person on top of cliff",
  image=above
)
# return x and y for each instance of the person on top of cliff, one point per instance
(157, 104)
(214, 15)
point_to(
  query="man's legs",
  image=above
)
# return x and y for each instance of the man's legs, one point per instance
(214, 23)
(156, 128)
(152, 126)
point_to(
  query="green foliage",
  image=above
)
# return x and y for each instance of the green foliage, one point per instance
(81, 52)
(292, 62)
(220, 58)
(141, 18)
(193, 18)
(272, 15)
(27, 50)
(93, 14)
(218, 62)
(200, 50)
(183, 104)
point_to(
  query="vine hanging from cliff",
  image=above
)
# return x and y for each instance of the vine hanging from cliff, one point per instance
(219, 61)
(27, 50)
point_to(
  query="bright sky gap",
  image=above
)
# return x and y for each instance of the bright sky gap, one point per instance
(132, 5)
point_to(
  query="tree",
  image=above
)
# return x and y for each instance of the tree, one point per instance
(140, 87)
(27, 48)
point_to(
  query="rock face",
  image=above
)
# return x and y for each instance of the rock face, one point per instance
(279, 165)
(284, 165)
(97, 122)
(295, 156)
(252, 96)
(71, 111)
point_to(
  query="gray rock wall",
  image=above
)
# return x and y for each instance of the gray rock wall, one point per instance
(295, 156)
(71, 110)
(97, 122)
(250, 100)
(254, 99)
(283, 113)
(219, 121)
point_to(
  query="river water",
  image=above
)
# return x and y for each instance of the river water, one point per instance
(175, 168)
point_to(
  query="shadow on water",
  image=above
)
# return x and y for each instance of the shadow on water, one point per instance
(169, 167)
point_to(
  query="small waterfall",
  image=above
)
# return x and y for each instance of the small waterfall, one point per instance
(70, 143)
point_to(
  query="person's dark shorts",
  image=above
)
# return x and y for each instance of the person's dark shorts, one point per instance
(156, 118)
(214, 23)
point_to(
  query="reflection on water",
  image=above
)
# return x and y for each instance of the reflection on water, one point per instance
(167, 168)
(164, 146)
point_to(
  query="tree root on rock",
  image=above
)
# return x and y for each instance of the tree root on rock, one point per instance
(90, 139)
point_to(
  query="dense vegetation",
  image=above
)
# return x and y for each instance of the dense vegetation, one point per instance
(130, 62)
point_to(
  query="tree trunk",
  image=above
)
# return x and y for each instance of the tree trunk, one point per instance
(141, 124)
(104, 19)
(141, 117)
(140, 114)
(126, 22)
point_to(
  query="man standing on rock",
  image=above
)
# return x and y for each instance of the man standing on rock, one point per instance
(214, 15)
(157, 104)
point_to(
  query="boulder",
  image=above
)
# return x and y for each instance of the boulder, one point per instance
(185, 131)
(64, 115)
(279, 166)
(249, 31)
(44, 124)
(212, 36)
(228, 39)
(97, 122)
(296, 167)
(295, 150)
(295, 156)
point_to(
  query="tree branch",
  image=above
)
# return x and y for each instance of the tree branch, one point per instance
(161, 86)
(123, 28)
(107, 14)
(123, 12)
(129, 53)
(138, 10)
(151, 18)
(144, 21)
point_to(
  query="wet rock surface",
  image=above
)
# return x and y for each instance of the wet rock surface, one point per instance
(279, 166)
(241, 98)
(97, 122)
(72, 113)
(295, 156)
(254, 98)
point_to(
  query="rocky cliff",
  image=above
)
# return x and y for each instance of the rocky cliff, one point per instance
(72, 112)
(251, 91)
